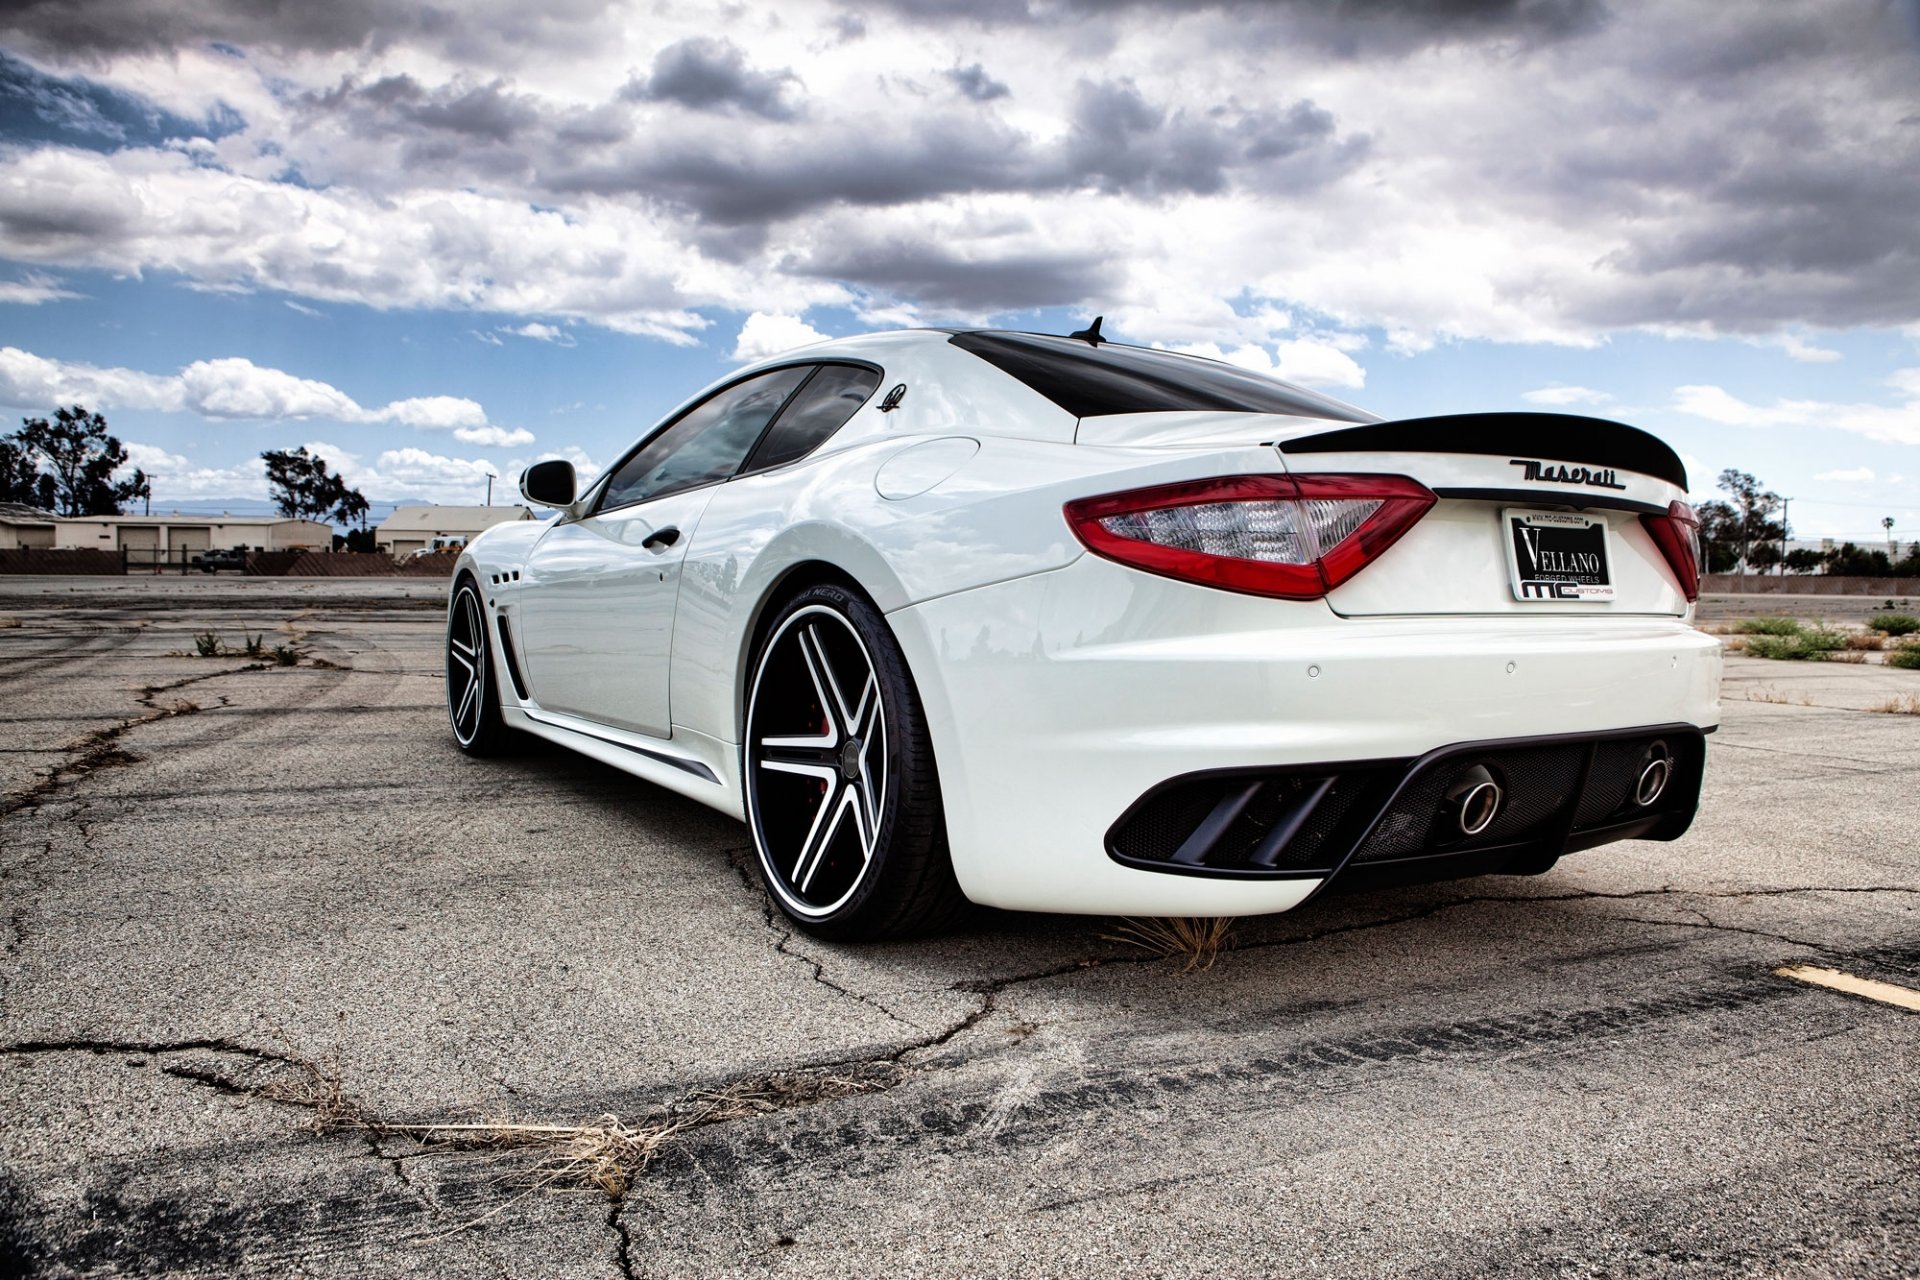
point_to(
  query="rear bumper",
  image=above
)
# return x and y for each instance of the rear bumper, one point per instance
(1466, 809)
(1057, 702)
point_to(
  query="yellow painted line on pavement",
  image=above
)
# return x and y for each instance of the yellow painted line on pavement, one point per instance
(1834, 980)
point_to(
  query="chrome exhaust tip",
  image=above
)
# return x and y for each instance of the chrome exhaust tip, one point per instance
(1654, 775)
(1475, 799)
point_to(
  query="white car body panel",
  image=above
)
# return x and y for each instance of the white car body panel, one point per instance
(1060, 686)
(1041, 754)
(599, 641)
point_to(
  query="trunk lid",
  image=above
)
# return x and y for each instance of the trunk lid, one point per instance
(1467, 556)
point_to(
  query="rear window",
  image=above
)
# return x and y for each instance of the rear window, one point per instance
(1090, 381)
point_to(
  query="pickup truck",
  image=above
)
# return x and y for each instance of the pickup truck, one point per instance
(222, 558)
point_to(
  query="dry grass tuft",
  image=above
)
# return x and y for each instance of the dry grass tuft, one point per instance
(1850, 656)
(8, 621)
(1905, 704)
(604, 1154)
(1199, 939)
(1769, 694)
(1866, 640)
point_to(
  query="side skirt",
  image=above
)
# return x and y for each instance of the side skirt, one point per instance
(689, 763)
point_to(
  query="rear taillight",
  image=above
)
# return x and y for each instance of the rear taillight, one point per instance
(1677, 534)
(1295, 537)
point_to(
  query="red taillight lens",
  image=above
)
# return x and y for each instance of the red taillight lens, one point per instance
(1295, 537)
(1677, 534)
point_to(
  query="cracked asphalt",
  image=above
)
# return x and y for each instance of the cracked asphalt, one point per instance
(265, 932)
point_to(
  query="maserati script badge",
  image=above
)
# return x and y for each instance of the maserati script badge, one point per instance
(1549, 473)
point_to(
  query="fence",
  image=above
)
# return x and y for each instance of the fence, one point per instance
(61, 560)
(267, 564)
(1808, 584)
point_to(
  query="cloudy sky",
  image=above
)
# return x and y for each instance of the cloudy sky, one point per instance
(441, 240)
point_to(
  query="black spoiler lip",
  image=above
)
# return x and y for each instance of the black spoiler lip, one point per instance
(1521, 437)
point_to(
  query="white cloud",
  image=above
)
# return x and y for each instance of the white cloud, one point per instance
(1319, 361)
(230, 388)
(499, 436)
(1798, 348)
(133, 210)
(1852, 475)
(33, 289)
(437, 413)
(1560, 395)
(542, 333)
(235, 387)
(176, 479)
(1895, 424)
(763, 335)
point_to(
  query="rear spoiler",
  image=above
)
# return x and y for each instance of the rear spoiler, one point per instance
(1518, 437)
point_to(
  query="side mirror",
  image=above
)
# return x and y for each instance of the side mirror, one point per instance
(550, 484)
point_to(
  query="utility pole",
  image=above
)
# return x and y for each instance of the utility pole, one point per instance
(490, 479)
(1746, 526)
(1786, 532)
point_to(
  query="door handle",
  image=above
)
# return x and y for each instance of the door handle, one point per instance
(661, 539)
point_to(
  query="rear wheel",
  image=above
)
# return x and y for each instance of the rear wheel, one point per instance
(473, 702)
(841, 790)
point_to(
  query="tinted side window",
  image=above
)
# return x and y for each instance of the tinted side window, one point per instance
(820, 409)
(1088, 381)
(706, 443)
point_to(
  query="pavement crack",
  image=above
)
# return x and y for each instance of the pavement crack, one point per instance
(622, 1239)
(155, 1047)
(1584, 895)
(783, 942)
(1706, 922)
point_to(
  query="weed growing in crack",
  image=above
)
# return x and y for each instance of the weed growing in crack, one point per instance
(1767, 627)
(1197, 939)
(1906, 704)
(285, 655)
(1895, 624)
(1906, 657)
(256, 646)
(208, 644)
(1800, 644)
(1773, 695)
(604, 1154)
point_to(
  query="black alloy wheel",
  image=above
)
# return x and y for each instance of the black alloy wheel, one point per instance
(841, 791)
(473, 702)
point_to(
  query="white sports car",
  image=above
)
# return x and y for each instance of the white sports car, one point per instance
(1056, 624)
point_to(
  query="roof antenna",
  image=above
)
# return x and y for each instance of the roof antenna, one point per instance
(1090, 334)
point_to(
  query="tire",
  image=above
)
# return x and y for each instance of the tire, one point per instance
(473, 700)
(837, 767)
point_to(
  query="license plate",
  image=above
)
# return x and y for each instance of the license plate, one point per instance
(1557, 556)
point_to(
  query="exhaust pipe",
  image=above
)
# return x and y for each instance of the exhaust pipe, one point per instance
(1655, 772)
(1475, 800)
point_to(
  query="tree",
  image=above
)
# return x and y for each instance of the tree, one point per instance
(1805, 560)
(1855, 562)
(1740, 533)
(74, 459)
(20, 478)
(305, 489)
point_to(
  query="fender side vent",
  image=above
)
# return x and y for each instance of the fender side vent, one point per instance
(513, 662)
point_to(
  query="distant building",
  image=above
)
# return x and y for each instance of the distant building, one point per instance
(170, 537)
(25, 526)
(421, 528)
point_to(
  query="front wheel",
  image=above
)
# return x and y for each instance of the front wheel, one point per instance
(841, 790)
(473, 702)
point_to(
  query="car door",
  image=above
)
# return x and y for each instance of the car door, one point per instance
(598, 592)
